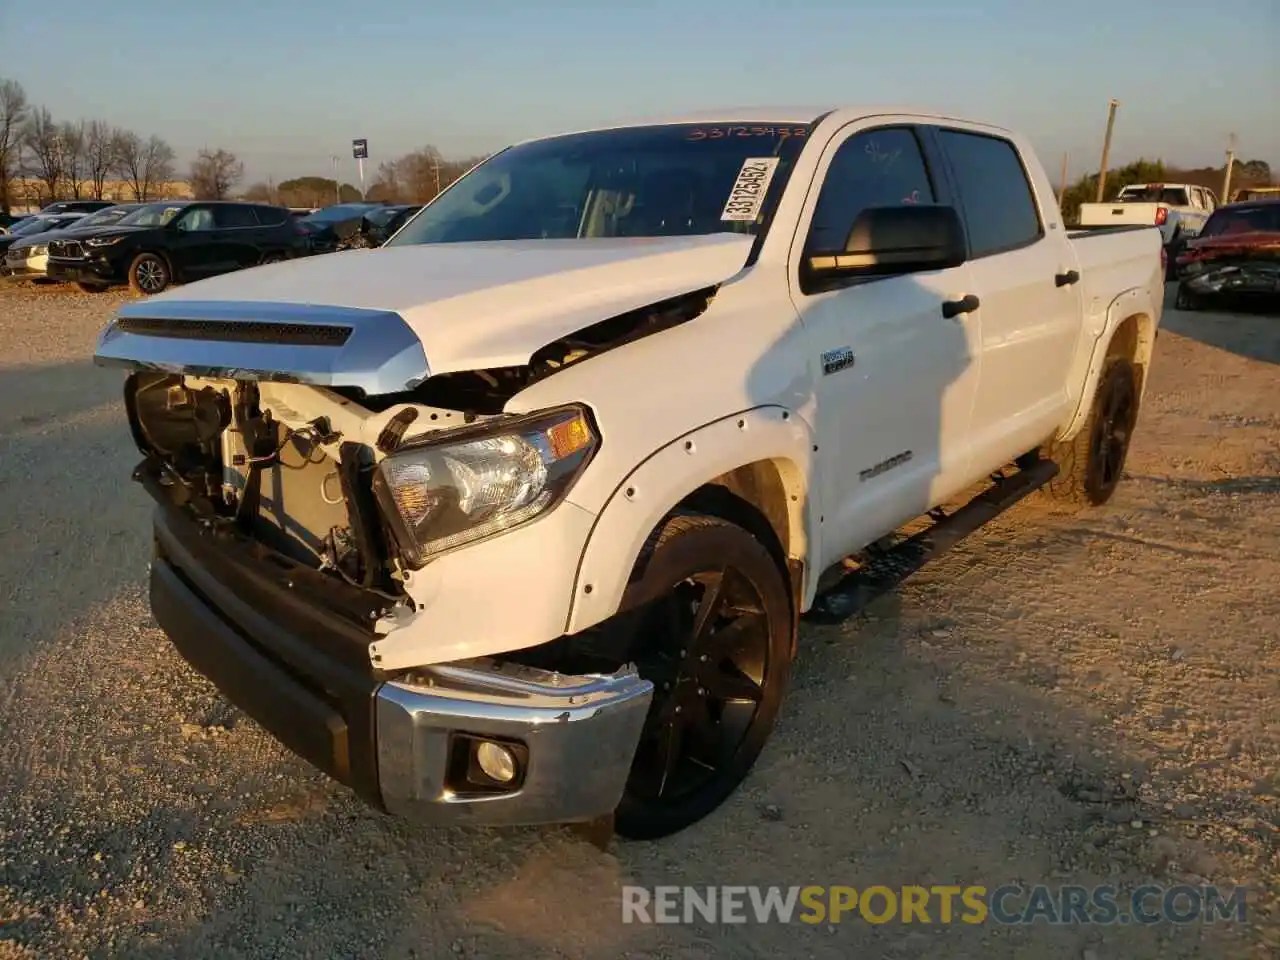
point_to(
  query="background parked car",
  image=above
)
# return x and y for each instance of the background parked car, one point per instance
(338, 227)
(36, 224)
(1235, 258)
(160, 243)
(76, 206)
(382, 222)
(1179, 210)
(9, 220)
(28, 256)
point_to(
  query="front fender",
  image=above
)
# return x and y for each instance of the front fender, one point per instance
(668, 475)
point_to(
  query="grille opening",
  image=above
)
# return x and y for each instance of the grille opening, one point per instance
(239, 331)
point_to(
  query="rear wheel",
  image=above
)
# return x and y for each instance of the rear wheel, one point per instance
(712, 618)
(149, 274)
(1091, 463)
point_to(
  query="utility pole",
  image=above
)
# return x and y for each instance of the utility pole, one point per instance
(1231, 162)
(435, 166)
(337, 190)
(1106, 147)
(1062, 182)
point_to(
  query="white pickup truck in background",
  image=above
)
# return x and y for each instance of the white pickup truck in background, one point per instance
(513, 520)
(1178, 209)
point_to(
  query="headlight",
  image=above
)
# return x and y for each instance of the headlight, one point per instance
(453, 491)
(104, 241)
(37, 250)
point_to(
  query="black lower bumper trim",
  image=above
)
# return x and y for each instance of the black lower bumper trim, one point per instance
(293, 672)
(302, 721)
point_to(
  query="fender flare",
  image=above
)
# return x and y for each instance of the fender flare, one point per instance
(1136, 301)
(656, 485)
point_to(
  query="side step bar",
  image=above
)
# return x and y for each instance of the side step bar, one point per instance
(886, 569)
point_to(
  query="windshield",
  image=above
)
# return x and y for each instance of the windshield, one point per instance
(1264, 218)
(152, 215)
(660, 181)
(103, 217)
(383, 215)
(36, 225)
(339, 212)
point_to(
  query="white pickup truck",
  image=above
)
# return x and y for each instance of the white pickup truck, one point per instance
(1178, 209)
(514, 519)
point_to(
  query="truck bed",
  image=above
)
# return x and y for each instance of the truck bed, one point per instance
(1114, 259)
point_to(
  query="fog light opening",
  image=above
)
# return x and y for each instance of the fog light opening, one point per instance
(497, 762)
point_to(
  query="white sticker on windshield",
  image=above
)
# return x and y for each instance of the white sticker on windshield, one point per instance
(747, 196)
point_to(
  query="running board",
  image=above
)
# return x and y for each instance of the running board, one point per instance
(885, 569)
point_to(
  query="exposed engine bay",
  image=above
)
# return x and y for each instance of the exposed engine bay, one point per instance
(262, 458)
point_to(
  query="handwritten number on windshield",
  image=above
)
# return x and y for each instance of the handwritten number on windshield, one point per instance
(721, 133)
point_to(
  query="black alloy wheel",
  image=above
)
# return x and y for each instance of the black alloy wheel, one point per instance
(714, 634)
(1111, 432)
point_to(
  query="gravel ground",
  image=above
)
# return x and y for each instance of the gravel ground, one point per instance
(1069, 697)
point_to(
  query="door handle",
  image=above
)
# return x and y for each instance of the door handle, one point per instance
(953, 308)
(1066, 279)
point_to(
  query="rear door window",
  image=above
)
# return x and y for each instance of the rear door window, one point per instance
(231, 216)
(998, 203)
(271, 216)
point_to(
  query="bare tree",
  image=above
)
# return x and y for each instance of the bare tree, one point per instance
(214, 173)
(417, 176)
(13, 115)
(99, 156)
(146, 165)
(43, 142)
(72, 135)
(261, 193)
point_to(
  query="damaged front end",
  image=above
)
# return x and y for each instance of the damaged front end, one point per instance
(309, 472)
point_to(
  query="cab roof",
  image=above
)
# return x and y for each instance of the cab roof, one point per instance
(776, 114)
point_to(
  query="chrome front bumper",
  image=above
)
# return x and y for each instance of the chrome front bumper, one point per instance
(575, 737)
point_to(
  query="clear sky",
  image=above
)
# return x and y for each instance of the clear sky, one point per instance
(287, 83)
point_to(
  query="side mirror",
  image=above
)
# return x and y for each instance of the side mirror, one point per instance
(891, 240)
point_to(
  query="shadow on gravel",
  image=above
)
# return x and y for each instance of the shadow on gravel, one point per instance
(1252, 335)
(72, 528)
(37, 396)
(1227, 485)
(168, 839)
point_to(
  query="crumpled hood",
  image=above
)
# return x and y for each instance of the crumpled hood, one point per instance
(478, 305)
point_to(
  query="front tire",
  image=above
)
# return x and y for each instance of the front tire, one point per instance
(711, 612)
(149, 274)
(1091, 463)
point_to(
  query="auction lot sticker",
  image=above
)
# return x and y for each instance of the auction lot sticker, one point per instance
(747, 195)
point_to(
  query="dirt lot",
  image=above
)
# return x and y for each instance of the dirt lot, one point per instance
(1070, 697)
